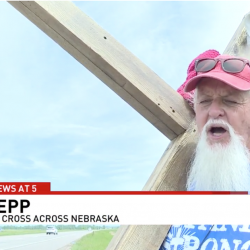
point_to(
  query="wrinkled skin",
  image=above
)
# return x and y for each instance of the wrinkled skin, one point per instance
(217, 100)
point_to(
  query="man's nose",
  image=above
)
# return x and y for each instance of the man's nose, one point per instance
(216, 110)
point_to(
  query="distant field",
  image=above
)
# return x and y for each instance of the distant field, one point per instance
(97, 240)
(19, 232)
(7, 232)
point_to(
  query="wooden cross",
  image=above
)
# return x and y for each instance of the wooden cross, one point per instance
(140, 87)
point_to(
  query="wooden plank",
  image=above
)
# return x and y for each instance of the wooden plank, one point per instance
(238, 43)
(171, 172)
(112, 63)
(134, 237)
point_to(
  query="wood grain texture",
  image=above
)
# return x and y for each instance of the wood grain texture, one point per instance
(112, 63)
(139, 237)
(170, 174)
(238, 43)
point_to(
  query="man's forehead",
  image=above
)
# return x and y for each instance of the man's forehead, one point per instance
(213, 86)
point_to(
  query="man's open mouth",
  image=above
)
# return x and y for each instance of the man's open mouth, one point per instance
(217, 130)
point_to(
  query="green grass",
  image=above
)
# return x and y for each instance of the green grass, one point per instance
(97, 240)
(7, 232)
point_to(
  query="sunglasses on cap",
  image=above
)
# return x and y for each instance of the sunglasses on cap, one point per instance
(229, 65)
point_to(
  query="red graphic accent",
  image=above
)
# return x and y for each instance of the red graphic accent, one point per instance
(43, 188)
(24, 188)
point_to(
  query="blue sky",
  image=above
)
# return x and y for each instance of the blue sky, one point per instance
(59, 123)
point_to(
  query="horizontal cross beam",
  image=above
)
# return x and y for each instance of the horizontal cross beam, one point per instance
(112, 63)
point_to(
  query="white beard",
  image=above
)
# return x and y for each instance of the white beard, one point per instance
(220, 167)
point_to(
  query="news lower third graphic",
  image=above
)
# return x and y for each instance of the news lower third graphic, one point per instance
(59, 218)
(34, 202)
(17, 210)
(7, 207)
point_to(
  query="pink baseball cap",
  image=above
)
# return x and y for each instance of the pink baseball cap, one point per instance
(239, 81)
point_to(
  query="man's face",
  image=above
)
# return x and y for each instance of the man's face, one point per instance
(217, 100)
(222, 159)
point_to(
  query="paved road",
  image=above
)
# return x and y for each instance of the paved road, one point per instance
(39, 241)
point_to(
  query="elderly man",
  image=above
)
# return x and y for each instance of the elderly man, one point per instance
(220, 96)
(222, 105)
